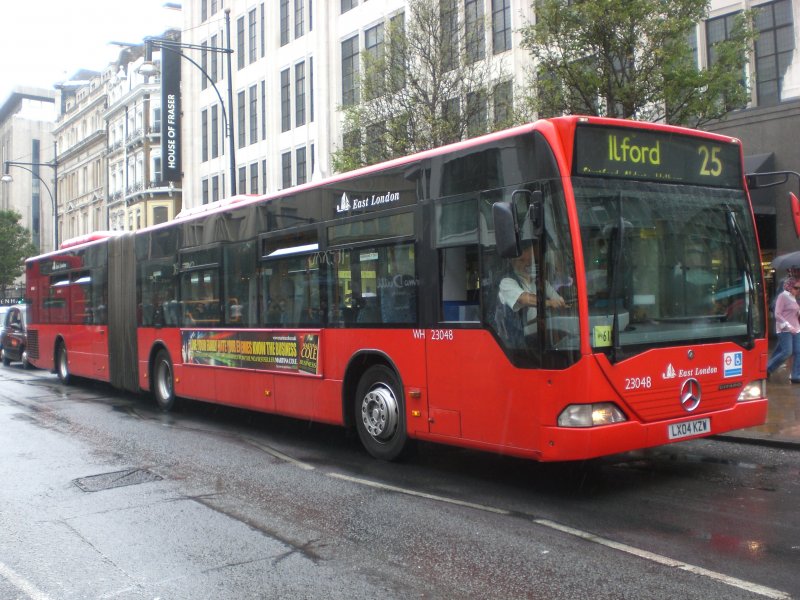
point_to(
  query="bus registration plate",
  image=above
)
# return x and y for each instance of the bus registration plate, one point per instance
(689, 428)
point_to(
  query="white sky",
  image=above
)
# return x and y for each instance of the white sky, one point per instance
(47, 41)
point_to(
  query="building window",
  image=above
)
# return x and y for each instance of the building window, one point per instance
(475, 30)
(241, 118)
(301, 165)
(311, 89)
(299, 22)
(299, 94)
(373, 47)
(348, 4)
(263, 32)
(254, 178)
(263, 110)
(204, 64)
(203, 10)
(350, 71)
(448, 13)
(214, 132)
(376, 143)
(503, 104)
(242, 187)
(774, 48)
(253, 114)
(719, 30)
(251, 36)
(215, 188)
(240, 43)
(501, 26)
(286, 170)
(156, 178)
(286, 117)
(264, 176)
(213, 57)
(397, 68)
(476, 114)
(204, 135)
(205, 191)
(284, 22)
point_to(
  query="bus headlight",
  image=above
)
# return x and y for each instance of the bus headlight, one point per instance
(590, 415)
(753, 390)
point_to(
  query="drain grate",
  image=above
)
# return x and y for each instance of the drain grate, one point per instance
(107, 481)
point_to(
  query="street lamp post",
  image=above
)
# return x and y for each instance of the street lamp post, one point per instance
(7, 178)
(148, 68)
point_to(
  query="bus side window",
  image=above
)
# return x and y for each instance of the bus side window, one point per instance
(396, 284)
(460, 284)
(457, 239)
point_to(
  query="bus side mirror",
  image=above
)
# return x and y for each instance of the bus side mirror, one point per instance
(506, 230)
(535, 215)
(795, 206)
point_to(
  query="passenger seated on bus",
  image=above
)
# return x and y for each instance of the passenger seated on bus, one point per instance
(281, 296)
(235, 310)
(517, 293)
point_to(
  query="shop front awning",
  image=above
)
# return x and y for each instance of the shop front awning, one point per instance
(759, 163)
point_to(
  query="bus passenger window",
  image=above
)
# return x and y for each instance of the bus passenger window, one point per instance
(199, 294)
(241, 284)
(397, 284)
(280, 288)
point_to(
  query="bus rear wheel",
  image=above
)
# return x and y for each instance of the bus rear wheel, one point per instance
(163, 381)
(62, 366)
(379, 413)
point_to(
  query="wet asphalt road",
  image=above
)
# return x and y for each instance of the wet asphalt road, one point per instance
(103, 496)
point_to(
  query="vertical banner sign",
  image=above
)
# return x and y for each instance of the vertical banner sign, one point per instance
(171, 115)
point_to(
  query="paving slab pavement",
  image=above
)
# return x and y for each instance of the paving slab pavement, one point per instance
(782, 428)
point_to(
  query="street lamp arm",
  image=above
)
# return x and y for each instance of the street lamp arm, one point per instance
(169, 44)
(53, 197)
(11, 163)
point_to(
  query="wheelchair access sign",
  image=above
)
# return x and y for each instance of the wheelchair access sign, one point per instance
(732, 364)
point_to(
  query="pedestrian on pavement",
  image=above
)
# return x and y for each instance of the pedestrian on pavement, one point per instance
(787, 325)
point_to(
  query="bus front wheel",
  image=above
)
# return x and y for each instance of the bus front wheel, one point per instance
(62, 366)
(163, 382)
(379, 413)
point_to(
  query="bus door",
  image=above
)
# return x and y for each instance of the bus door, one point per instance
(455, 349)
(89, 347)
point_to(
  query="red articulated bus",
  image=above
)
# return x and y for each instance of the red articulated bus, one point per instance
(562, 290)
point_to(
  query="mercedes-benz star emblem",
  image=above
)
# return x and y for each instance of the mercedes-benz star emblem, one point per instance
(690, 394)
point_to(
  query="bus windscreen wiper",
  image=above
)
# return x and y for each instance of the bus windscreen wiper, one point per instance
(741, 254)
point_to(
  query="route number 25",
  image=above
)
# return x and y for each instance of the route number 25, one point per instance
(712, 165)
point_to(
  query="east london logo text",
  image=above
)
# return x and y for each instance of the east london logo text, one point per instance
(346, 204)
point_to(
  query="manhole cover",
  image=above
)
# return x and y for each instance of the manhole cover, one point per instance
(106, 481)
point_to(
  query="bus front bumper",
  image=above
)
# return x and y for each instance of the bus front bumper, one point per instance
(580, 443)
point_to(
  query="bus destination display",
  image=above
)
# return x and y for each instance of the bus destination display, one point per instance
(642, 154)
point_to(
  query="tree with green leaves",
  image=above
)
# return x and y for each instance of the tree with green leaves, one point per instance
(634, 59)
(15, 241)
(424, 82)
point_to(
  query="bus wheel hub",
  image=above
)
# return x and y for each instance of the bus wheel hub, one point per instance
(379, 412)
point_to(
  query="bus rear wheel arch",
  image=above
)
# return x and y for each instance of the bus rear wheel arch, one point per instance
(379, 412)
(62, 363)
(163, 380)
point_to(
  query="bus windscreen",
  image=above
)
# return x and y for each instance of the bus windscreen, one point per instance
(657, 156)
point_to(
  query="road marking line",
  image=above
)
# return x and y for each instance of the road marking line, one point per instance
(391, 488)
(280, 455)
(748, 586)
(22, 584)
